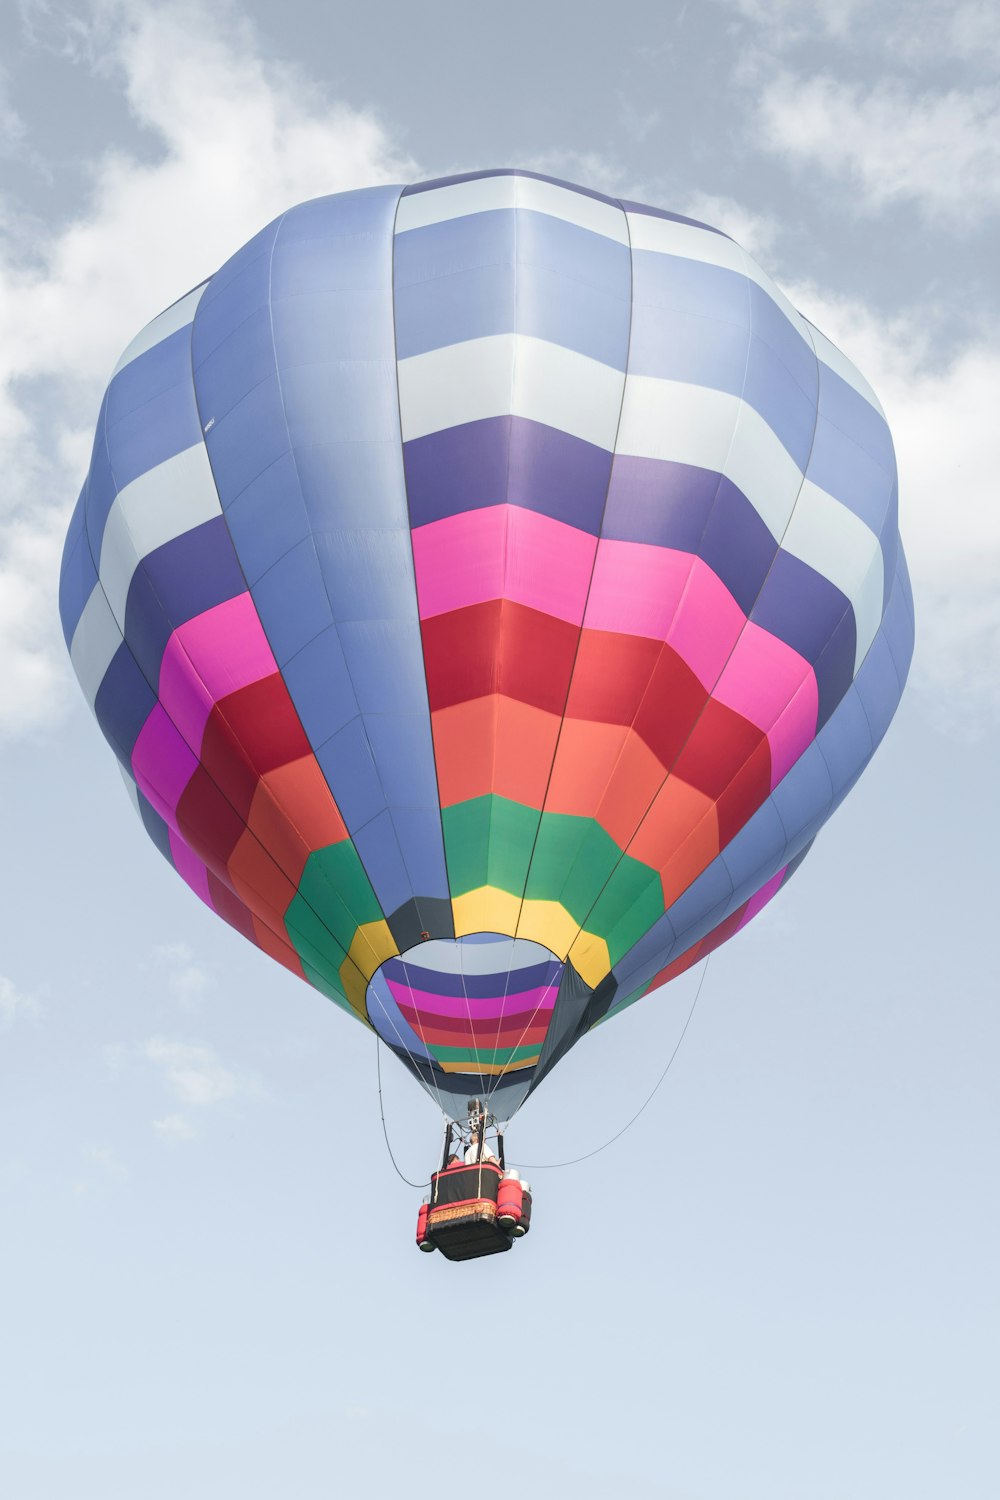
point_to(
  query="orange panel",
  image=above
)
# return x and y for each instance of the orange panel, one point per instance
(607, 772)
(678, 836)
(525, 744)
(493, 744)
(293, 813)
(275, 947)
(257, 880)
(637, 782)
(463, 748)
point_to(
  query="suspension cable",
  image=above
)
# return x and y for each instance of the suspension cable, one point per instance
(548, 1166)
(381, 1110)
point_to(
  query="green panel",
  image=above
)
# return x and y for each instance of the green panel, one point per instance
(335, 886)
(488, 841)
(313, 943)
(503, 1055)
(627, 908)
(333, 991)
(573, 858)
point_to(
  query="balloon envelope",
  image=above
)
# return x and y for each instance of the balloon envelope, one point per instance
(488, 588)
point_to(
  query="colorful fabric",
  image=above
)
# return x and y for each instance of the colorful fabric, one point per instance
(489, 589)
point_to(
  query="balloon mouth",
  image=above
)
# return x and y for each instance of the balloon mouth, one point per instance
(478, 1005)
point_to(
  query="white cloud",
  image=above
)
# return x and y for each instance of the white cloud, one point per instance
(756, 232)
(238, 138)
(193, 1073)
(943, 421)
(187, 980)
(890, 143)
(175, 1128)
(15, 1004)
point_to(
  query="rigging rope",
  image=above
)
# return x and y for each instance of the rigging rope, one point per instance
(547, 1166)
(381, 1110)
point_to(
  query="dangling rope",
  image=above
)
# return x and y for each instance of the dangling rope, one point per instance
(548, 1166)
(381, 1110)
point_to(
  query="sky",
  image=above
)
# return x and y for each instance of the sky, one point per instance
(782, 1282)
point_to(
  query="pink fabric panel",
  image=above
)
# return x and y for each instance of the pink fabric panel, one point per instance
(210, 656)
(427, 1005)
(773, 687)
(665, 595)
(763, 896)
(162, 764)
(502, 552)
(190, 868)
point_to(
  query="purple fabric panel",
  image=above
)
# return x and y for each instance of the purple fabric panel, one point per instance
(693, 510)
(810, 614)
(477, 986)
(187, 575)
(506, 460)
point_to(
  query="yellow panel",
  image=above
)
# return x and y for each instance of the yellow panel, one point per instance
(590, 958)
(355, 988)
(371, 945)
(549, 923)
(506, 1068)
(486, 909)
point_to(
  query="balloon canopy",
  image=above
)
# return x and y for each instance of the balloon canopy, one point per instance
(488, 589)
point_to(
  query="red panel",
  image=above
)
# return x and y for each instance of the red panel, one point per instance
(610, 676)
(498, 647)
(276, 947)
(231, 908)
(208, 823)
(720, 743)
(250, 732)
(749, 788)
(670, 707)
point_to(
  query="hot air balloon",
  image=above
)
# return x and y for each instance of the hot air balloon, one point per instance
(488, 588)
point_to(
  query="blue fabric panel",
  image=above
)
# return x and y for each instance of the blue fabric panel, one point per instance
(267, 518)
(706, 325)
(878, 687)
(804, 792)
(389, 1021)
(318, 675)
(760, 844)
(454, 281)
(165, 423)
(847, 472)
(846, 409)
(124, 702)
(712, 889)
(347, 763)
(292, 603)
(889, 540)
(155, 827)
(331, 307)
(378, 844)
(419, 831)
(846, 741)
(78, 574)
(100, 489)
(457, 280)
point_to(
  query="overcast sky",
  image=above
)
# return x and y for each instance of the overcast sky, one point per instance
(783, 1284)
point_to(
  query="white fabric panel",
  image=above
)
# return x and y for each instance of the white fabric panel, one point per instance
(842, 366)
(174, 317)
(165, 502)
(693, 424)
(509, 374)
(95, 641)
(832, 539)
(486, 193)
(869, 606)
(670, 238)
